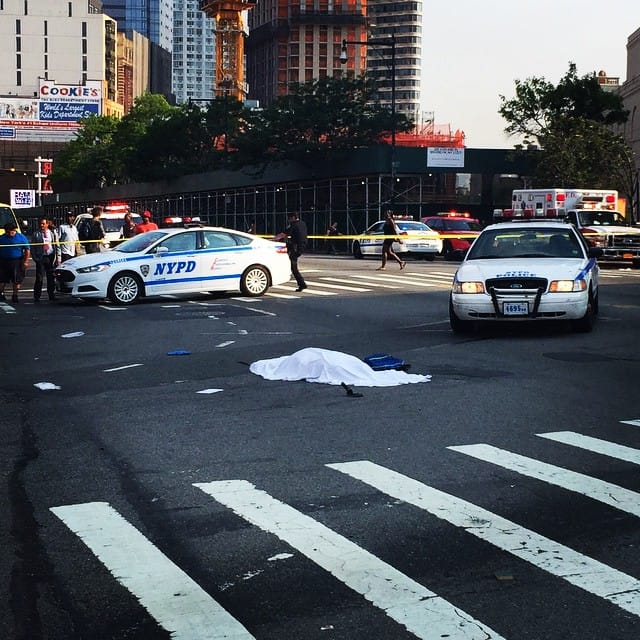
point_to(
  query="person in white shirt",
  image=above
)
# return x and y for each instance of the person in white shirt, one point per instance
(69, 238)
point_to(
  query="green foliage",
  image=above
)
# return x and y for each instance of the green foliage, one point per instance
(158, 141)
(89, 160)
(572, 124)
(539, 105)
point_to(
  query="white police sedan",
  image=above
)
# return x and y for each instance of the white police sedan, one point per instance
(417, 239)
(526, 271)
(177, 261)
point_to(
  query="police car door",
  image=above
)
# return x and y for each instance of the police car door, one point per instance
(175, 268)
(373, 245)
(223, 259)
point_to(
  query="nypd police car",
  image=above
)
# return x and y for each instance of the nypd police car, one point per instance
(417, 239)
(526, 271)
(177, 261)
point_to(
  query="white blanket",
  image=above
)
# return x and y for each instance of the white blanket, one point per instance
(330, 367)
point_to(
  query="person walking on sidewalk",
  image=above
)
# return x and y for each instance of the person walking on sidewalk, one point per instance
(391, 234)
(14, 259)
(45, 250)
(296, 236)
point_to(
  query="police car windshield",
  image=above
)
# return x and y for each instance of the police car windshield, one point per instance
(140, 242)
(526, 243)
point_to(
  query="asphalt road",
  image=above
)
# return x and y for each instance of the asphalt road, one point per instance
(151, 495)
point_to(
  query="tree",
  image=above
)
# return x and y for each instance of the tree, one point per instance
(316, 117)
(148, 109)
(539, 106)
(572, 124)
(89, 160)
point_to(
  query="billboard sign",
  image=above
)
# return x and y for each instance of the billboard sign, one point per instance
(445, 157)
(22, 198)
(67, 111)
(52, 115)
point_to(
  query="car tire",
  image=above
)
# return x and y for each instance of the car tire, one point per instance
(255, 281)
(125, 288)
(430, 256)
(585, 324)
(446, 250)
(457, 325)
(357, 251)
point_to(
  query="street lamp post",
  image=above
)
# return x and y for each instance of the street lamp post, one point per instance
(389, 43)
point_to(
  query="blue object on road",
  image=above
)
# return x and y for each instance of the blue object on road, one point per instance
(179, 352)
(384, 362)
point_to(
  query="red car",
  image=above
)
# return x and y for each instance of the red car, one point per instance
(457, 231)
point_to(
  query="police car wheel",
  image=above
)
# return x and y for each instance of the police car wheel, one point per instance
(125, 288)
(585, 324)
(255, 281)
(457, 325)
(357, 251)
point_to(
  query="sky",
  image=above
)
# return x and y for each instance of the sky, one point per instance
(473, 51)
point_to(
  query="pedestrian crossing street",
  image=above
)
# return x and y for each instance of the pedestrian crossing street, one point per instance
(181, 606)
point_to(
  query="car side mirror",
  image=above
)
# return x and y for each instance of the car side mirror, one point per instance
(595, 252)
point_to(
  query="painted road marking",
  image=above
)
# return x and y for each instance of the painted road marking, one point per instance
(619, 451)
(580, 570)
(172, 598)
(633, 423)
(315, 292)
(356, 282)
(125, 366)
(335, 286)
(605, 492)
(401, 280)
(421, 611)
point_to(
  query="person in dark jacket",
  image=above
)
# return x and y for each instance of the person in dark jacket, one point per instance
(96, 232)
(296, 236)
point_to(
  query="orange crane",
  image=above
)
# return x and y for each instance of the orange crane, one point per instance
(230, 37)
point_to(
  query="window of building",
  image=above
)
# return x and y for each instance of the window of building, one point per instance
(70, 9)
(18, 78)
(18, 26)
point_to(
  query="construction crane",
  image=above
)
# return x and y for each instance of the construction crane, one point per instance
(229, 35)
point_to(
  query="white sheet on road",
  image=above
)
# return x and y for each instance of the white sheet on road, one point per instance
(330, 367)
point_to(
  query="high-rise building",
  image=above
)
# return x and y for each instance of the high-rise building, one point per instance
(401, 20)
(152, 19)
(296, 42)
(193, 67)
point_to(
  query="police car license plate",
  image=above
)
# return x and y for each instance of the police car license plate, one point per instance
(515, 308)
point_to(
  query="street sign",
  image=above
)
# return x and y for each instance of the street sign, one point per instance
(22, 198)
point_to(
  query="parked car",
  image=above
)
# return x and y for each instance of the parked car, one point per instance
(526, 271)
(177, 261)
(457, 231)
(417, 240)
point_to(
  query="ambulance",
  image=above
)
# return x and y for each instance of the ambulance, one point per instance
(594, 212)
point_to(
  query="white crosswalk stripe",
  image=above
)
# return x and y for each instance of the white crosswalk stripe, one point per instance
(580, 570)
(170, 596)
(183, 608)
(628, 454)
(605, 492)
(421, 611)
